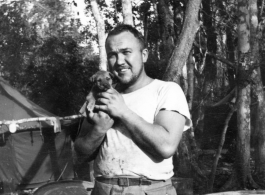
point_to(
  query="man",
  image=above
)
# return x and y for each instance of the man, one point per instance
(142, 118)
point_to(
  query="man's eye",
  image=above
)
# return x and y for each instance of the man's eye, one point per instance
(126, 52)
(111, 56)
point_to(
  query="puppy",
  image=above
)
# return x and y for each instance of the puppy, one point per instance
(102, 81)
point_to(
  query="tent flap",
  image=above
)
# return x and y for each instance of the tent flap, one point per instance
(34, 156)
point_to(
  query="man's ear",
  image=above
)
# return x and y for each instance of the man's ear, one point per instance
(145, 55)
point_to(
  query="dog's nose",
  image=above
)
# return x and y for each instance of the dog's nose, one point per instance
(106, 85)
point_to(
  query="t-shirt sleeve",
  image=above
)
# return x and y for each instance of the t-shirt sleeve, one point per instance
(171, 97)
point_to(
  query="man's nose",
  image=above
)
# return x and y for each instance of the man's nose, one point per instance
(120, 59)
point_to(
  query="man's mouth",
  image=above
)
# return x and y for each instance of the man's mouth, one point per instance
(121, 70)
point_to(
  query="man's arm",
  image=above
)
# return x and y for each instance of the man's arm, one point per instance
(92, 133)
(159, 139)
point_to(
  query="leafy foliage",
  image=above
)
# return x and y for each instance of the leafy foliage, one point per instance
(17, 40)
(45, 62)
(59, 77)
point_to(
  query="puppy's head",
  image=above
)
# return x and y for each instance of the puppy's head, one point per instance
(103, 80)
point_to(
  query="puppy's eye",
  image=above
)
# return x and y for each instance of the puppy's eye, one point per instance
(107, 78)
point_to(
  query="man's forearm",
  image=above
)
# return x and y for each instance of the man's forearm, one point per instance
(88, 140)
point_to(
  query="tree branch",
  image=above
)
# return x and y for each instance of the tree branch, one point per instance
(226, 98)
(219, 150)
(220, 58)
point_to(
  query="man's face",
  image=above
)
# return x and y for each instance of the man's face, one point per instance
(126, 58)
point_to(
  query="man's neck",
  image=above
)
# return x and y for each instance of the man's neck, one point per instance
(138, 85)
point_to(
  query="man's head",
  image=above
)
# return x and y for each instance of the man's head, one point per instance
(128, 28)
(126, 55)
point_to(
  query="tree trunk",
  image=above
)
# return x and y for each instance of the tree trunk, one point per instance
(166, 24)
(230, 52)
(184, 79)
(190, 70)
(259, 123)
(210, 65)
(230, 56)
(243, 104)
(102, 53)
(210, 69)
(243, 136)
(219, 149)
(259, 131)
(185, 41)
(101, 35)
(241, 177)
(188, 161)
(127, 12)
(144, 10)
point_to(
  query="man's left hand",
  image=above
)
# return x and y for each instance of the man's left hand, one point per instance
(111, 102)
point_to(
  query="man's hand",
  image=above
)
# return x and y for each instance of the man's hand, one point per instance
(112, 103)
(93, 131)
(101, 120)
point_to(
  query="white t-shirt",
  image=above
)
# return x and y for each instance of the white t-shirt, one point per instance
(119, 155)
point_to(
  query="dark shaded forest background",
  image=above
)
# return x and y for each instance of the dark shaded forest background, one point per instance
(49, 56)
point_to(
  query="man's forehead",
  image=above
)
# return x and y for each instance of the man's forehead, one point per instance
(122, 36)
(123, 40)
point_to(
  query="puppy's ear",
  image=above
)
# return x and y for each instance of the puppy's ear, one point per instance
(92, 78)
(114, 79)
(111, 75)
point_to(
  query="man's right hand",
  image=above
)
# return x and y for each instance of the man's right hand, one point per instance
(101, 121)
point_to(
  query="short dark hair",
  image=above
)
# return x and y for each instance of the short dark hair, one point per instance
(127, 28)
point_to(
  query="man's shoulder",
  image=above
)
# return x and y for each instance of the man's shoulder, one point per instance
(165, 84)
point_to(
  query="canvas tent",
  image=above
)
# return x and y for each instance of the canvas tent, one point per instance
(35, 155)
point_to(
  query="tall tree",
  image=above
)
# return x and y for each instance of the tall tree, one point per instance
(101, 34)
(211, 39)
(258, 92)
(190, 70)
(173, 72)
(225, 8)
(185, 41)
(166, 24)
(144, 11)
(241, 177)
(127, 12)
